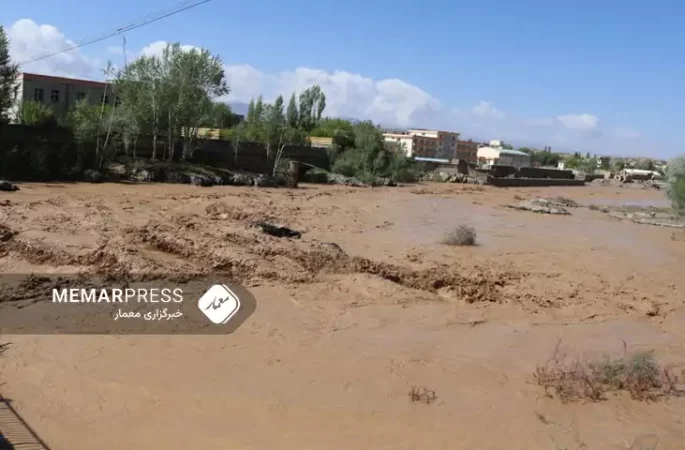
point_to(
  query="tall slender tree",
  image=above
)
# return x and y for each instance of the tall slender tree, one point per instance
(8, 78)
(250, 112)
(291, 114)
(258, 109)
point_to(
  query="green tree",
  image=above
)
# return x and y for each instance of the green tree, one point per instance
(250, 112)
(8, 78)
(645, 164)
(618, 165)
(87, 125)
(141, 88)
(328, 127)
(292, 115)
(507, 146)
(36, 114)
(312, 105)
(675, 176)
(173, 91)
(258, 109)
(219, 115)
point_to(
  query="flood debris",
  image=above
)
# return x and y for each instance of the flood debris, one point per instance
(7, 186)
(277, 231)
(541, 206)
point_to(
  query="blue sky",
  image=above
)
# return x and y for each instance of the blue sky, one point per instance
(604, 76)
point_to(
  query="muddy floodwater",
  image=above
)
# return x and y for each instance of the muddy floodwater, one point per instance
(343, 332)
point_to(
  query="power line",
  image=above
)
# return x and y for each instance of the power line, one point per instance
(180, 7)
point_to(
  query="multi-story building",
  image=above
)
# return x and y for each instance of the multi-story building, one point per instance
(401, 141)
(61, 94)
(495, 154)
(467, 151)
(443, 144)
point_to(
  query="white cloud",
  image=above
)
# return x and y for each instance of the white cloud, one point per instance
(627, 133)
(157, 47)
(29, 40)
(392, 102)
(388, 101)
(486, 110)
(581, 122)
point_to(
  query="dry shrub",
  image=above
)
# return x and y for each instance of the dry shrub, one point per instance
(638, 373)
(422, 395)
(462, 235)
(563, 201)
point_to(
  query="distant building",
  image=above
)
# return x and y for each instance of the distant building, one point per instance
(61, 94)
(321, 142)
(467, 151)
(444, 146)
(495, 154)
(401, 141)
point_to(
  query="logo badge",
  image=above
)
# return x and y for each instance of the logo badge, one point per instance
(219, 304)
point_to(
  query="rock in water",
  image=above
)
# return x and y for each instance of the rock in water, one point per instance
(274, 230)
(7, 186)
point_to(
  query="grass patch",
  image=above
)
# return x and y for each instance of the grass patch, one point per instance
(462, 235)
(422, 395)
(638, 373)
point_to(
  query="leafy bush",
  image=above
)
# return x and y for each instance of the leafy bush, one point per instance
(462, 235)
(639, 373)
(675, 175)
(370, 159)
(37, 114)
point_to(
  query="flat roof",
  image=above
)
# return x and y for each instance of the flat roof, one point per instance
(39, 77)
(506, 151)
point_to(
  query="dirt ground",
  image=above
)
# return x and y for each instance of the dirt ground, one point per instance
(342, 332)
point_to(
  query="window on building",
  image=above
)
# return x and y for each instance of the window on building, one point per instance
(105, 99)
(80, 96)
(117, 101)
(38, 94)
(54, 96)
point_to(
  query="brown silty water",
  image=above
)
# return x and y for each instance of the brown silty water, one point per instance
(328, 358)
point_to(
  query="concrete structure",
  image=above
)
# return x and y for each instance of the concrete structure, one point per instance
(61, 94)
(443, 144)
(638, 174)
(404, 141)
(496, 155)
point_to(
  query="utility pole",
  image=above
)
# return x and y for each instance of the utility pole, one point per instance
(124, 47)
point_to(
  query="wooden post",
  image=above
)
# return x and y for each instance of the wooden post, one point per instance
(293, 174)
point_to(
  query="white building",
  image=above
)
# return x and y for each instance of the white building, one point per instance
(494, 154)
(403, 141)
(61, 94)
(436, 143)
